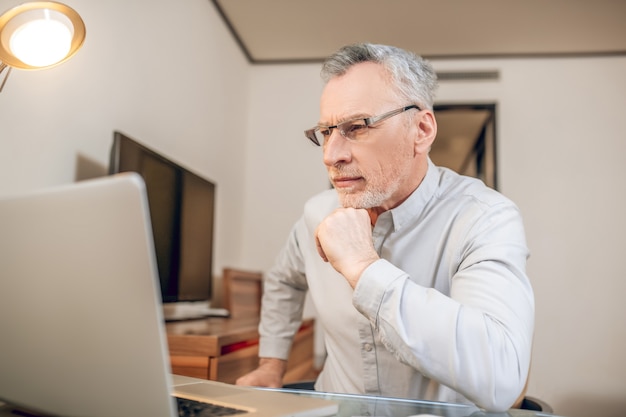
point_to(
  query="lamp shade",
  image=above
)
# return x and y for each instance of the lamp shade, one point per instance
(40, 34)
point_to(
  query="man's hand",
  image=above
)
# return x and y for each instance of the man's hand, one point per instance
(269, 374)
(344, 239)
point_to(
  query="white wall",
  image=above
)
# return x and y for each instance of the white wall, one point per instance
(284, 168)
(173, 77)
(560, 141)
(560, 146)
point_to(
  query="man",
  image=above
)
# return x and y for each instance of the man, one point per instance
(417, 273)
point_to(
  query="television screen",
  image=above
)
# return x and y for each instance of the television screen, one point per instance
(182, 206)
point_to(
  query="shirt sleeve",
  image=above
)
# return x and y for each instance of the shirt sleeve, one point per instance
(476, 340)
(283, 300)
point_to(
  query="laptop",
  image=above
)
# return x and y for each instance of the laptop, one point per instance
(81, 325)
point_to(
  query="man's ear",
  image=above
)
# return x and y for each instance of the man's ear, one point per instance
(426, 131)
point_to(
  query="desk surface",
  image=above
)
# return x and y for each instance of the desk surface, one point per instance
(363, 405)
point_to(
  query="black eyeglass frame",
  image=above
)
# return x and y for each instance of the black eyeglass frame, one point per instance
(310, 133)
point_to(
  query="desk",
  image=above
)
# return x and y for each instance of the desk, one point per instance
(365, 405)
(223, 349)
(361, 405)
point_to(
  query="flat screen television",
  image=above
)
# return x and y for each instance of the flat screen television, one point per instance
(182, 206)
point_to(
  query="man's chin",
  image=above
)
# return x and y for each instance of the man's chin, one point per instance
(351, 200)
(364, 199)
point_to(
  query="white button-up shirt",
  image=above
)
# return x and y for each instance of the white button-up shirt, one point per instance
(446, 314)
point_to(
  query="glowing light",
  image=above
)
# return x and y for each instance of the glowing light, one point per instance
(43, 41)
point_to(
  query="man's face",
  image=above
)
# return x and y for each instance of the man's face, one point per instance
(374, 172)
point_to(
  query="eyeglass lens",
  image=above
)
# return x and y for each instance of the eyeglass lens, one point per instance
(352, 129)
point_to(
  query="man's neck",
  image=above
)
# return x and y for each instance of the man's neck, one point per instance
(374, 213)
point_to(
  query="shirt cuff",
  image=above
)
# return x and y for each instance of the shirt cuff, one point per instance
(271, 347)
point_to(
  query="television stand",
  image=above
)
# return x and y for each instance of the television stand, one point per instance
(191, 311)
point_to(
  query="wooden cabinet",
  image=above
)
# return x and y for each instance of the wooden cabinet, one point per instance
(224, 349)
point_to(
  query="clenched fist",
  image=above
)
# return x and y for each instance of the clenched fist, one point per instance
(344, 239)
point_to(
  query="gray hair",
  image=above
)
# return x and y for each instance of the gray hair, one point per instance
(413, 78)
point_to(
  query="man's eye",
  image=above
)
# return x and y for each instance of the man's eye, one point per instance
(325, 132)
(354, 127)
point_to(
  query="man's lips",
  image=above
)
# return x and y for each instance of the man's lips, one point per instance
(343, 182)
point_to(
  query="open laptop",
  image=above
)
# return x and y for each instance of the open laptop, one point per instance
(81, 326)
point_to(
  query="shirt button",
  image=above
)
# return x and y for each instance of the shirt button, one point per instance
(368, 347)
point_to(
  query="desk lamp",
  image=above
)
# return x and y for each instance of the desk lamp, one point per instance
(38, 35)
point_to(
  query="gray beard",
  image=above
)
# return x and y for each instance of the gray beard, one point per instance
(363, 200)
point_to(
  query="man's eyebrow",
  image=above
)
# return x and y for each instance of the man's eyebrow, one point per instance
(357, 116)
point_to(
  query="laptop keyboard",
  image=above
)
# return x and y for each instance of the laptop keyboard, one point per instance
(191, 408)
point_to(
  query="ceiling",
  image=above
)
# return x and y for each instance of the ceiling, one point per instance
(293, 31)
(275, 31)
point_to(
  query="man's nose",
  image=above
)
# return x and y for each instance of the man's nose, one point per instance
(336, 149)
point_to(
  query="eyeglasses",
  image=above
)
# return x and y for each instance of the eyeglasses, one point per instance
(353, 130)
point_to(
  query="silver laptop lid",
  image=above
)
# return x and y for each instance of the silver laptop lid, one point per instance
(80, 324)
